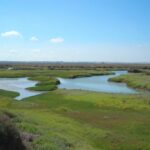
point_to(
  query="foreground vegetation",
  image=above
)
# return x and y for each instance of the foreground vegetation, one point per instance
(74, 119)
(77, 120)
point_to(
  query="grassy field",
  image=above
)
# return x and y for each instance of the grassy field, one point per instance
(135, 80)
(77, 120)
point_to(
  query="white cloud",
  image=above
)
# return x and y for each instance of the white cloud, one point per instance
(34, 38)
(57, 40)
(12, 33)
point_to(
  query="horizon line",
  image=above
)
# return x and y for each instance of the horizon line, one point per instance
(96, 62)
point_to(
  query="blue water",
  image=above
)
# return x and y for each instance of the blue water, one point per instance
(97, 83)
(18, 85)
(94, 83)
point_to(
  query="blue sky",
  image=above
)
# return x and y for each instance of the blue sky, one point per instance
(75, 30)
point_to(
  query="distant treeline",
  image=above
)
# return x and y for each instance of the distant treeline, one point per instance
(135, 67)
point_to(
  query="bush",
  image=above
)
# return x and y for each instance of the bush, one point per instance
(9, 136)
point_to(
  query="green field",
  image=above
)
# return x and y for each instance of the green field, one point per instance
(135, 80)
(78, 120)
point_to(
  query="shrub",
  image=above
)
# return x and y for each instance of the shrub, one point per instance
(9, 136)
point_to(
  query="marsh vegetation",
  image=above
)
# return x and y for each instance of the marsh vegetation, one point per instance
(77, 120)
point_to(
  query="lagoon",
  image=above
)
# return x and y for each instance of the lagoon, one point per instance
(97, 83)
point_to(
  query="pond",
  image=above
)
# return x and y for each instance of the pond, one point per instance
(97, 83)
(18, 85)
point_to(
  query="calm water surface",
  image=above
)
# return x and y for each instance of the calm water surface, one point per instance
(97, 83)
(94, 83)
(18, 85)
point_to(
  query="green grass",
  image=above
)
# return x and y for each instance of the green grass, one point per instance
(46, 83)
(8, 93)
(79, 120)
(49, 73)
(83, 120)
(135, 80)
